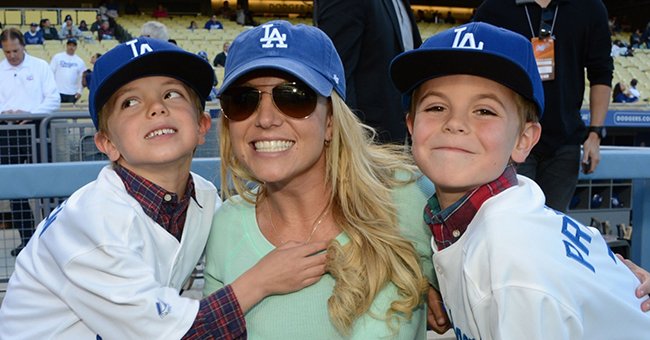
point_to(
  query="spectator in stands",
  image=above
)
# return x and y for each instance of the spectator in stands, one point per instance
(225, 11)
(449, 19)
(154, 29)
(635, 38)
(131, 7)
(620, 94)
(213, 23)
(619, 49)
(160, 12)
(68, 69)
(97, 24)
(49, 32)
(213, 92)
(28, 86)
(88, 73)
(109, 8)
(220, 58)
(645, 37)
(106, 32)
(83, 26)
(68, 30)
(34, 36)
(633, 90)
(193, 25)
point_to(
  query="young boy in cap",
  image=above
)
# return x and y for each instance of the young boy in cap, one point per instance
(508, 267)
(109, 262)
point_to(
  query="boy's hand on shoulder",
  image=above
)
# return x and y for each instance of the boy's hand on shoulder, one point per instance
(286, 269)
(292, 266)
(643, 290)
(436, 316)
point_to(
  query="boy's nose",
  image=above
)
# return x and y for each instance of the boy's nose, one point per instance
(157, 108)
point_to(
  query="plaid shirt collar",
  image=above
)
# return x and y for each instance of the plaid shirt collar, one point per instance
(162, 206)
(450, 224)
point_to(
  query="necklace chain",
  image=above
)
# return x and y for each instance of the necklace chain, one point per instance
(314, 227)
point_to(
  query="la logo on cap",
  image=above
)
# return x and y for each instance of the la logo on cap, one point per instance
(467, 40)
(144, 48)
(273, 36)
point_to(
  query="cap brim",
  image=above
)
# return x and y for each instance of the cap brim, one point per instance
(172, 64)
(309, 76)
(443, 62)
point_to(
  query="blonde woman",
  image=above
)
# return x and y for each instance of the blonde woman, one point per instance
(316, 176)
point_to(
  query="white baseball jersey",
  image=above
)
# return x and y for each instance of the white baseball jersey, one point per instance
(67, 72)
(523, 271)
(98, 266)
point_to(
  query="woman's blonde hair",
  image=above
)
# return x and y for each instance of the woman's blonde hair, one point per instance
(362, 176)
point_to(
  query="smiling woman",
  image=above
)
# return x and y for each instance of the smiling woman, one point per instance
(317, 176)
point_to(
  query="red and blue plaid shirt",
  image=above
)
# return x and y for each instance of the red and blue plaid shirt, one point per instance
(219, 316)
(450, 224)
(161, 205)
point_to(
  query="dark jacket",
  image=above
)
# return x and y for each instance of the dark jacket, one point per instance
(367, 36)
(582, 40)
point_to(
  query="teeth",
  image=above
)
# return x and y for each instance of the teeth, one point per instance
(273, 145)
(160, 133)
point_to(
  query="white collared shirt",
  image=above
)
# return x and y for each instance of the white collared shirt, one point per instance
(28, 87)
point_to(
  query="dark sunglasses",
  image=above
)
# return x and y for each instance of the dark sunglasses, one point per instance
(293, 99)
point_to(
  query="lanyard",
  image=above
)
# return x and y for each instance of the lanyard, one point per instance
(530, 24)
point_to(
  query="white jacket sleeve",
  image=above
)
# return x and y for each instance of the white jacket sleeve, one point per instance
(51, 100)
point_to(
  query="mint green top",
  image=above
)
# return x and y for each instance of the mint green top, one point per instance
(236, 244)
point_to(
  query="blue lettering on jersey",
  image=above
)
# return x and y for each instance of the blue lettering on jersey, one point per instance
(50, 218)
(457, 331)
(163, 308)
(574, 245)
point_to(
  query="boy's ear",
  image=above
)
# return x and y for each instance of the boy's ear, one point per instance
(105, 145)
(526, 141)
(409, 122)
(205, 122)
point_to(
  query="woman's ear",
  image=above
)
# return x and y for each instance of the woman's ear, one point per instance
(526, 141)
(409, 122)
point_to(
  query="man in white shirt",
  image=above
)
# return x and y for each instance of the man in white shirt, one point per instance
(68, 69)
(633, 90)
(27, 87)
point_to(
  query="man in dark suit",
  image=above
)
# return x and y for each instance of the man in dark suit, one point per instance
(368, 34)
(220, 58)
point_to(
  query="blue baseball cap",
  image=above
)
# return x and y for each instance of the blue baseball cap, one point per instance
(477, 49)
(144, 57)
(303, 51)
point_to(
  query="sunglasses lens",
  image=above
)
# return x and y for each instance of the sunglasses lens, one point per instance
(295, 100)
(238, 103)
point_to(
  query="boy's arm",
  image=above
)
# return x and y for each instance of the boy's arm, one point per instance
(288, 268)
(436, 315)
